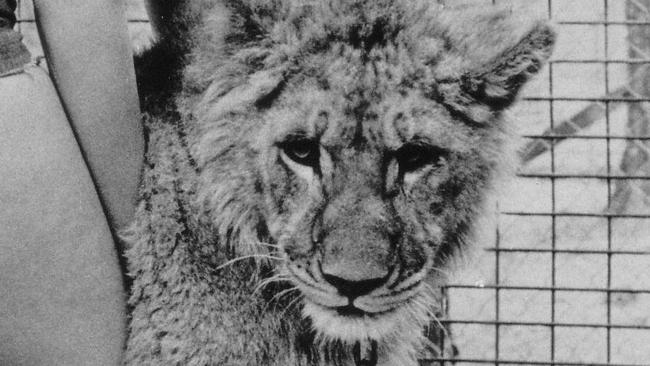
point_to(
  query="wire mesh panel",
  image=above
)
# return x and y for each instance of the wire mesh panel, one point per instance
(564, 277)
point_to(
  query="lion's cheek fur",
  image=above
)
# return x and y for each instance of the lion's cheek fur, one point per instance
(291, 204)
(183, 312)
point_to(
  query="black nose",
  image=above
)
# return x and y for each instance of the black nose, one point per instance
(354, 289)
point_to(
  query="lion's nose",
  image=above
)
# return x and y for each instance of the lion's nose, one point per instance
(354, 288)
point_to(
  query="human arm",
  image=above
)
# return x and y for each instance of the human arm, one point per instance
(90, 60)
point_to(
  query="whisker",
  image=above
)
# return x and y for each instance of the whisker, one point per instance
(426, 308)
(293, 302)
(432, 290)
(277, 278)
(282, 293)
(428, 286)
(276, 298)
(433, 346)
(235, 260)
(442, 271)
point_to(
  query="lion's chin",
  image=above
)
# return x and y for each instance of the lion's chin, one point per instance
(332, 326)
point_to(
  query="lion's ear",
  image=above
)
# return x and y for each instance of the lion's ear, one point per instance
(498, 83)
(493, 85)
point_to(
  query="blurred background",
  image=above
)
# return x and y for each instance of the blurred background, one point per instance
(561, 274)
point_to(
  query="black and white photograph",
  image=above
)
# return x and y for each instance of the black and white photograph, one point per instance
(324, 182)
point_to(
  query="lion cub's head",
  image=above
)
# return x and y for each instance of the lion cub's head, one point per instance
(359, 137)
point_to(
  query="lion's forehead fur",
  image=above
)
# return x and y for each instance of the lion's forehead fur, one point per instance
(358, 76)
(385, 117)
(342, 61)
(417, 39)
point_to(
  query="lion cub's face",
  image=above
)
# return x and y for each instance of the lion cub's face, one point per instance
(363, 151)
(362, 179)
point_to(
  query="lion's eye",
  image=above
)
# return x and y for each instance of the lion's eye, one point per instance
(412, 157)
(302, 151)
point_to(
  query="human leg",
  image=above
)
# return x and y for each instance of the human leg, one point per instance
(61, 297)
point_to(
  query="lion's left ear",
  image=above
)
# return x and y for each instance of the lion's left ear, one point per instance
(501, 79)
(494, 86)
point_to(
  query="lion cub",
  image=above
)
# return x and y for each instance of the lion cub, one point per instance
(312, 167)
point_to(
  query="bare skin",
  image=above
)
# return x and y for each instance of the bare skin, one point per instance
(71, 165)
(89, 54)
(61, 296)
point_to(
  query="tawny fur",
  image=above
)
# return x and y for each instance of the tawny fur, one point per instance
(227, 84)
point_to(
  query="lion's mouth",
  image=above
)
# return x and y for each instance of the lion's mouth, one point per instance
(350, 310)
(351, 324)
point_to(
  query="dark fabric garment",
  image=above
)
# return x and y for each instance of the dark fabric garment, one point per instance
(7, 16)
(13, 53)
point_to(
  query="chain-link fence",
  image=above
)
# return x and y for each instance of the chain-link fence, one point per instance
(564, 279)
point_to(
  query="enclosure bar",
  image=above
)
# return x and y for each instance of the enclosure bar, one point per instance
(553, 187)
(609, 191)
(497, 300)
(522, 362)
(442, 332)
(130, 20)
(19, 12)
(497, 279)
(603, 22)
(600, 61)
(577, 214)
(563, 22)
(569, 251)
(548, 288)
(586, 99)
(566, 22)
(548, 324)
(585, 137)
(582, 176)
(497, 242)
